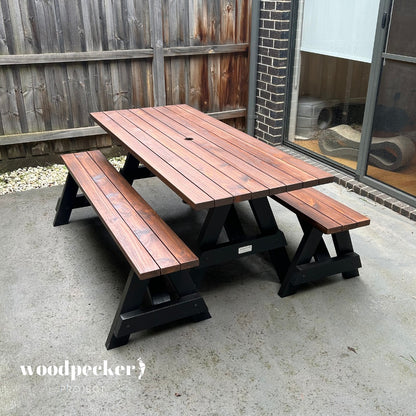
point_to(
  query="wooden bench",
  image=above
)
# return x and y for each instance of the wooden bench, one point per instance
(319, 214)
(159, 288)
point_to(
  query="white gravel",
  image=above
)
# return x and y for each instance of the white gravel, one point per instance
(39, 177)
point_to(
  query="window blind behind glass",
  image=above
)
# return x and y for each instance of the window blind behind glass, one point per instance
(340, 28)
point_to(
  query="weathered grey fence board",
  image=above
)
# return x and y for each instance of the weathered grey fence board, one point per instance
(61, 60)
(4, 48)
(71, 57)
(168, 33)
(107, 26)
(157, 45)
(227, 36)
(15, 28)
(198, 70)
(93, 130)
(8, 103)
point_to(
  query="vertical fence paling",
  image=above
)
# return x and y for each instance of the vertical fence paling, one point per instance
(59, 61)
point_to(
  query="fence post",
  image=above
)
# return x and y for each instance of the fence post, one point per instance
(158, 67)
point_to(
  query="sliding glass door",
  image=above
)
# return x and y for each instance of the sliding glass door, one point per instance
(334, 60)
(354, 89)
(392, 152)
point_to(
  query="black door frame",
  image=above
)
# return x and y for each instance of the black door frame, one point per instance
(379, 55)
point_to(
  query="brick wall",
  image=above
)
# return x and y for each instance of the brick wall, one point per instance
(272, 69)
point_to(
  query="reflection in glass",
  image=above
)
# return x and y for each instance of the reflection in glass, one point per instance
(392, 157)
(331, 105)
(402, 34)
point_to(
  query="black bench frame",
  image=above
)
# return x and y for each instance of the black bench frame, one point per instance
(144, 304)
(319, 214)
(312, 246)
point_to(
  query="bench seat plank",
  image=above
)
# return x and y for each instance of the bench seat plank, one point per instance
(325, 213)
(177, 247)
(154, 246)
(136, 254)
(146, 251)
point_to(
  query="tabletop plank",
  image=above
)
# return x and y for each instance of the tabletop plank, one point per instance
(178, 132)
(186, 189)
(205, 161)
(175, 159)
(178, 144)
(265, 174)
(260, 149)
(266, 164)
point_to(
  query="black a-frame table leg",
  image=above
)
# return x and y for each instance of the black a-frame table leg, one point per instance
(185, 288)
(130, 168)
(233, 226)
(226, 218)
(321, 252)
(133, 170)
(267, 224)
(212, 227)
(209, 234)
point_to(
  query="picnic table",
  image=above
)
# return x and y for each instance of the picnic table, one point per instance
(212, 167)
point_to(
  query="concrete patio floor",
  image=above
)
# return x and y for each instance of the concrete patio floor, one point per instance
(338, 347)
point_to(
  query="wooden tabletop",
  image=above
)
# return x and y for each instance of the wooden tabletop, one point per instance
(205, 161)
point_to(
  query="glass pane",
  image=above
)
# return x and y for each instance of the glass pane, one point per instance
(343, 28)
(402, 35)
(392, 157)
(330, 106)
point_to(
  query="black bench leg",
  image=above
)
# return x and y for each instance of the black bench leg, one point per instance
(185, 286)
(321, 252)
(307, 248)
(343, 245)
(143, 307)
(66, 202)
(132, 298)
